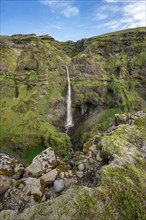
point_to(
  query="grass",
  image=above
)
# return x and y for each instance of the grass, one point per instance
(29, 154)
(140, 59)
(107, 118)
(125, 98)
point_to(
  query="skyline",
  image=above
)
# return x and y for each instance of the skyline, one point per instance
(71, 19)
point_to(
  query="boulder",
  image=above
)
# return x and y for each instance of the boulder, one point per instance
(43, 162)
(59, 185)
(23, 193)
(10, 166)
(49, 177)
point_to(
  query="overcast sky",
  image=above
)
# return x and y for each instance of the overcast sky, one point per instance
(71, 19)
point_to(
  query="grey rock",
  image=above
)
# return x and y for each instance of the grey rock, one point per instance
(61, 175)
(49, 177)
(91, 161)
(46, 160)
(98, 157)
(69, 182)
(143, 151)
(80, 174)
(81, 167)
(59, 185)
(23, 193)
(93, 149)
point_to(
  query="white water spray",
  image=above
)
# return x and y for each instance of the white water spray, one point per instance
(69, 120)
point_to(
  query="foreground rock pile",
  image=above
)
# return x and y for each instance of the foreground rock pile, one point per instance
(121, 147)
(46, 177)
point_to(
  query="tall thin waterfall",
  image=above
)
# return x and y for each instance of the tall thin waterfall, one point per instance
(69, 119)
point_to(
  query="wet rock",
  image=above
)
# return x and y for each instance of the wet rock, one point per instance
(59, 185)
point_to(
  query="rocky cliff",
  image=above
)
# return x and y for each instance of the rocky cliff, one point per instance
(107, 76)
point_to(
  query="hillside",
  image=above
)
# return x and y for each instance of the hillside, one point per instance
(107, 76)
(96, 169)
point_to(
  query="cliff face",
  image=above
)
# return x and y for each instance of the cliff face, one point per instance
(106, 72)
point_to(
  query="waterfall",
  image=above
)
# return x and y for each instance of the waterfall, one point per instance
(69, 120)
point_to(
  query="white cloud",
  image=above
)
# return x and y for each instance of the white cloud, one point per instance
(131, 14)
(111, 1)
(70, 11)
(105, 11)
(101, 16)
(134, 14)
(57, 27)
(122, 1)
(66, 8)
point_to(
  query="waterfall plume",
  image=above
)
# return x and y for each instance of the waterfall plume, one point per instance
(69, 119)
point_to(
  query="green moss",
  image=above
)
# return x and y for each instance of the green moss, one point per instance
(7, 172)
(43, 185)
(121, 194)
(37, 198)
(30, 130)
(62, 167)
(140, 59)
(19, 182)
(140, 122)
(122, 137)
(126, 99)
(107, 118)
(124, 192)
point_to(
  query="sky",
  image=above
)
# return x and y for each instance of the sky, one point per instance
(70, 19)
